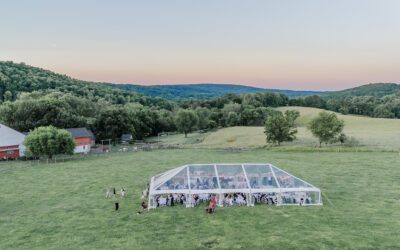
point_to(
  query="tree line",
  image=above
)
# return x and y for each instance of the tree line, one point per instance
(279, 127)
(31, 97)
(387, 106)
(109, 120)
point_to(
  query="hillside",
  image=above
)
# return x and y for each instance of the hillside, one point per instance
(369, 132)
(16, 78)
(205, 90)
(19, 77)
(372, 89)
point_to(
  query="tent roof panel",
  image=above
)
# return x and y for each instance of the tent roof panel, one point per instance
(227, 177)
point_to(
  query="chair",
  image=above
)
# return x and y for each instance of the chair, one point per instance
(162, 202)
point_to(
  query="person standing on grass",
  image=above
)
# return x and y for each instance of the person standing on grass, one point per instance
(144, 205)
(108, 193)
(213, 201)
(116, 206)
(211, 206)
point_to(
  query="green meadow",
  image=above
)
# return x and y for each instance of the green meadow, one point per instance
(63, 205)
(370, 133)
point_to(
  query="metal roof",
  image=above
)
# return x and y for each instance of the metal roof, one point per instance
(10, 137)
(81, 132)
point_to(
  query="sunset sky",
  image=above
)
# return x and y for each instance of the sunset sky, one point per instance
(286, 44)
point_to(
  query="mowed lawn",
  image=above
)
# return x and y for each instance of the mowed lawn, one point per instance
(63, 205)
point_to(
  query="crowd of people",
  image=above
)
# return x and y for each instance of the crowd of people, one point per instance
(180, 183)
(233, 182)
(261, 182)
(300, 198)
(170, 200)
(112, 193)
(228, 199)
(267, 198)
(234, 199)
(204, 183)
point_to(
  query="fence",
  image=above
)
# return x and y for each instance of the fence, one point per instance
(96, 151)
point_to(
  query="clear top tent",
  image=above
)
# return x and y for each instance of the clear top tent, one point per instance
(249, 179)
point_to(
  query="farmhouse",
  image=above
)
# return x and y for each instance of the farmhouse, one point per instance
(84, 139)
(11, 143)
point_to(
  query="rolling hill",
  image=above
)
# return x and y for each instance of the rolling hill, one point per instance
(205, 90)
(369, 132)
(19, 77)
(372, 89)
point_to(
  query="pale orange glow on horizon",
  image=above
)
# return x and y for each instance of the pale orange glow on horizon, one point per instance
(304, 45)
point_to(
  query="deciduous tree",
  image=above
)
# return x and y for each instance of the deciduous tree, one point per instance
(186, 121)
(280, 128)
(326, 127)
(49, 141)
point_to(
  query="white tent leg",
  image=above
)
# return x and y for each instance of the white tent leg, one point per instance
(149, 204)
(279, 198)
(220, 200)
(188, 200)
(319, 198)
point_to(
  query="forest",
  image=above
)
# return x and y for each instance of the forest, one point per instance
(386, 106)
(206, 90)
(31, 97)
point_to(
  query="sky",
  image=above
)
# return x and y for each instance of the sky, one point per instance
(285, 44)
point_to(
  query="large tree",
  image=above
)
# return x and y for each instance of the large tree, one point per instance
(292, 115)
(57, 109)
(327, 127)
(186, 121)
(280, 128)
(113, 122)
(203, 115)
(232, 119)
(49, 141)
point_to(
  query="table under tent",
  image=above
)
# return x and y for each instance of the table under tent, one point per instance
(253, 182)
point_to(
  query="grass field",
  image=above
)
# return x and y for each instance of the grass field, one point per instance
(63, 206)
(369, 132)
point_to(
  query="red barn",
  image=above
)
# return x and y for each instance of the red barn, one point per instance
(84, 139)
(11, 143)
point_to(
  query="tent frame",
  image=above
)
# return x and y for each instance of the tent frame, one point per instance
(159, 180)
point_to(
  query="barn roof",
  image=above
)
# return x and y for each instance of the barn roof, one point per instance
(81, 132)
(10, 137)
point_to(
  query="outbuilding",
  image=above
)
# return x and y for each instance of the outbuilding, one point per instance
(84, 139)
(126, 138)
(11, 143)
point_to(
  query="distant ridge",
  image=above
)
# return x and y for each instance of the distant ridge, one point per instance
(205, 90)
(372, 89)
(19, 77)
